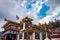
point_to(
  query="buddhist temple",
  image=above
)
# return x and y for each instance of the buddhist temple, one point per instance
(25, 30)
(55, 34)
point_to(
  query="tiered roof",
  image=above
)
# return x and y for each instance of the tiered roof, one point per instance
(29, 25)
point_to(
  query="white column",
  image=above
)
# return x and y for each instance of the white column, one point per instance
(30, 37)
(33, 35)
(17, 36)
(23, 36)
(23, 26)
(23, 32)
(40, 35)
(46, 36)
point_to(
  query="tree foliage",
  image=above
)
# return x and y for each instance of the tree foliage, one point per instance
(55, 24)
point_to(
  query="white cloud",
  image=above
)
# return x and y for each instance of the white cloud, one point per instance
(48, 18)
(18, 7)
(13, 8)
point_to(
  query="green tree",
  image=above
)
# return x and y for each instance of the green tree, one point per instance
(55, 24)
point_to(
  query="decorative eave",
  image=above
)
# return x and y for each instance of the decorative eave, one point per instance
(8, 22)
(32, 28)
(35, 27)
(10, 32)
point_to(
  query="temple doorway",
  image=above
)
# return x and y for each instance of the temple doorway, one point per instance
(11, 37)
(30, 35)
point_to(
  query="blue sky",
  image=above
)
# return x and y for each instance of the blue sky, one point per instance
(40, 11)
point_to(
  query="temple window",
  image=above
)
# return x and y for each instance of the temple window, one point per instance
(37, 35)
(27, 25)
(20, 36)
(21, 26)
(25, 35)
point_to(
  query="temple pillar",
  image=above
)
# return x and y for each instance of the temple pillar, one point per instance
(17, 36)
(40, 35)
(46, 36)
(23, 32)
(27, 38)
(23, 36)
(23, 26)
(33, 35)
(30, 37)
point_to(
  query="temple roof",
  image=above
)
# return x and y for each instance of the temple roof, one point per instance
(9, 21)
(28, 23)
